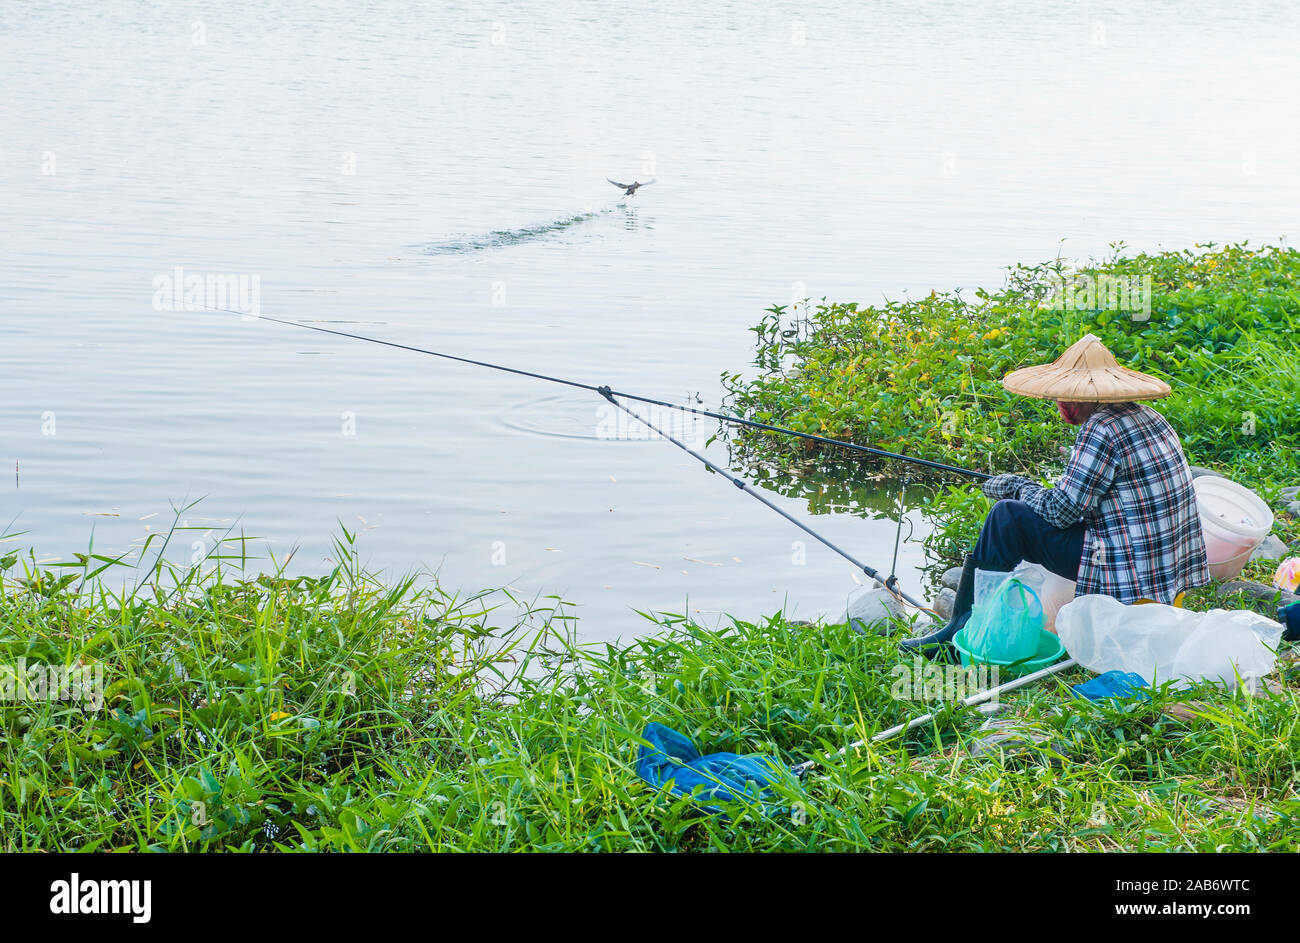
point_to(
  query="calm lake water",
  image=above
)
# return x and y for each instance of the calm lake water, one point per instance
(434, 174)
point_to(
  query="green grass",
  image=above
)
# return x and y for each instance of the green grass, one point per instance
(338, 713)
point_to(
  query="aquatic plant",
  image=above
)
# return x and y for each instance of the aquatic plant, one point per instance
(923, 377)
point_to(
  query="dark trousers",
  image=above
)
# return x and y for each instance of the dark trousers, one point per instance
(1013, 532)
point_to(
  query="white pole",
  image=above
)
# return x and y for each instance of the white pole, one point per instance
(979, 697)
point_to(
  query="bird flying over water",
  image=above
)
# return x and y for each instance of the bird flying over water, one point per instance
(629, 189)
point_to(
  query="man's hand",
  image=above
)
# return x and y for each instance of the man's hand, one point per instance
(1000, 487)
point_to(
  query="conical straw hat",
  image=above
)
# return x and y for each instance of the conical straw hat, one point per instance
(1086, 373)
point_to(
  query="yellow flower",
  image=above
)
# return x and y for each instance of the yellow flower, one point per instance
(280, 715)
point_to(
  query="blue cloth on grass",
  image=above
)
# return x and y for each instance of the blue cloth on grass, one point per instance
(725, 777)
(1113, 684)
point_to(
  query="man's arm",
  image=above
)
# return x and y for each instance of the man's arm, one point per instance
(1088, 476)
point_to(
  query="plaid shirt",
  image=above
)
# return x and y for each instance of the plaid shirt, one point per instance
(1128, 481)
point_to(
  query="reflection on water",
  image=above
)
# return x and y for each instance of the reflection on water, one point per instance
(842, 486)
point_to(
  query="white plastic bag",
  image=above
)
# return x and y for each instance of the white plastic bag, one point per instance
(1053, 591)
(1162, 643)
(988, 582)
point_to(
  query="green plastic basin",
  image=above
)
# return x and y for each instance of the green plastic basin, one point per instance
(1049, 650)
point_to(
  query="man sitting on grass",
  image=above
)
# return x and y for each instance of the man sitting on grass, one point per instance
(1122, 521)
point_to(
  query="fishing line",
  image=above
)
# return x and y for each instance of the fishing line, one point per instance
(898, 534)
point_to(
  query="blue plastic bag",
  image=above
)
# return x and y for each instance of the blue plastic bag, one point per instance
(1121, 684)
(672, 758)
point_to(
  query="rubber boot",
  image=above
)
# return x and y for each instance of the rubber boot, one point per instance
(938, 645)
(1289, 616)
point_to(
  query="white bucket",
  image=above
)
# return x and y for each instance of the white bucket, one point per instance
(1235, 521)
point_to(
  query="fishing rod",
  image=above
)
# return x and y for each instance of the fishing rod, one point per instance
(723, 417)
